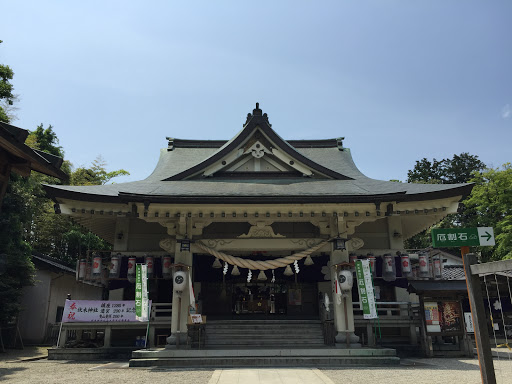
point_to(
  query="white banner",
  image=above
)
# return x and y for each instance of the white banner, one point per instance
(141, 293)
(95, 310)
(365, 288)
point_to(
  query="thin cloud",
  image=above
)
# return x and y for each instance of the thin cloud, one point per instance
(506, 112)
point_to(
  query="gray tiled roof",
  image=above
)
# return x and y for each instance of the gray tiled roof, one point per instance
(173, 162)
(176, 176)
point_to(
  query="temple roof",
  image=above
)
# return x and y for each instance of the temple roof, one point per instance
(23, 158)
(257, 166)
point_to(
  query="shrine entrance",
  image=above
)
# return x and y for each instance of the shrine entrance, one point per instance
(259, 300)
(227, 296)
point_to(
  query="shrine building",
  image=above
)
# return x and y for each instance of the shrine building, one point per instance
(260, 225)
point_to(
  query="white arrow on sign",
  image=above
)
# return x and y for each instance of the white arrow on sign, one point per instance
(486, 236)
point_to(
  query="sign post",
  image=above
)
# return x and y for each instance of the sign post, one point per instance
(460, 237)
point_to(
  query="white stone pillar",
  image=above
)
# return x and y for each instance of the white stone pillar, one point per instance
(343, 312)
(181, 323)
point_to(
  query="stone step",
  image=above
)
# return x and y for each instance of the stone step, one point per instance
(277, 343)
(288, 361)
(271, 331)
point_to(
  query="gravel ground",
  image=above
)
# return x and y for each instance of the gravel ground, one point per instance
(423, 371)
(418, 371)
(45, 371)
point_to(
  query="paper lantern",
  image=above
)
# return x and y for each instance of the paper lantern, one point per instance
(166, 267)
(388, 269)
(114, 266)
(131, 268)
(405, 262)
(96, 266)
(346, 280)
(150, 265)
(82, 269)
(179, 281)
(424, 265)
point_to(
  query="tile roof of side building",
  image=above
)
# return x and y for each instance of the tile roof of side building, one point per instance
(173, 179)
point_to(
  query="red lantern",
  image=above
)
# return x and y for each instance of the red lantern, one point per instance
(131, 266)
(166, 267)
(406, 263)
(149, 265)
(96, 266)
(114, 266)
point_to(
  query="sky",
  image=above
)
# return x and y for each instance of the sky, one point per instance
(400, 80)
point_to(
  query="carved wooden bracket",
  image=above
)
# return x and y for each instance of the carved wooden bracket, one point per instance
(260, 230)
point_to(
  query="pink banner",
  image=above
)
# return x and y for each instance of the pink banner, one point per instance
(93, 311)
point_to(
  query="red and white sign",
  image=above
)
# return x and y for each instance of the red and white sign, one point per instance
(87, 311)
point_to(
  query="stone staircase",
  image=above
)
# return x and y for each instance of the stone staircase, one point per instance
(269, 334)
(263, 343)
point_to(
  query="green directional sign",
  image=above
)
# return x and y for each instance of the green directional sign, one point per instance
(460, 237)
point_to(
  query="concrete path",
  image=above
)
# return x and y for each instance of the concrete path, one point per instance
(269, 376)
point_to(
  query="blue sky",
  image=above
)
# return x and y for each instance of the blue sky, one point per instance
(400, 80)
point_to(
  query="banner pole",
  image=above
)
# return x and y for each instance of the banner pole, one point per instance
(147, 329)
(60, 328)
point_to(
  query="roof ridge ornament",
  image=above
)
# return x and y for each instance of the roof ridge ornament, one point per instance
(257, 112)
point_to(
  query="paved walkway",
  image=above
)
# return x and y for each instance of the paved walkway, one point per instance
(269, 376)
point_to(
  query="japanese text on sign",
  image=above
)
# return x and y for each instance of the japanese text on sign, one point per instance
(96, 310)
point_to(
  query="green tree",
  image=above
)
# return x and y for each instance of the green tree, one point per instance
(6, 74)
(19, 270)
(96, 174)
(459, 169)
(491, 201)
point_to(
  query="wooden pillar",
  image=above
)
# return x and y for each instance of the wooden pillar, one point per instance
(476, 301)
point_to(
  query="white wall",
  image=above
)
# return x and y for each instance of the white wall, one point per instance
(40, 302)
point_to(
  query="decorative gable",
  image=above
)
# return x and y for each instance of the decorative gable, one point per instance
(257, 152)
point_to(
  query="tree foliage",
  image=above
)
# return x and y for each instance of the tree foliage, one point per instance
(488, 205)
(491, 202)
(96, 174)
(28, 222)
(6, 88)
(459, 169)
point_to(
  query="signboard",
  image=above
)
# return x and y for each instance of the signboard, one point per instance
(469, 322)
(432, 317)
(141, 293)
(365, 289)
(450, 316)
(97, 310)
(443, 316)
(460, 237)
